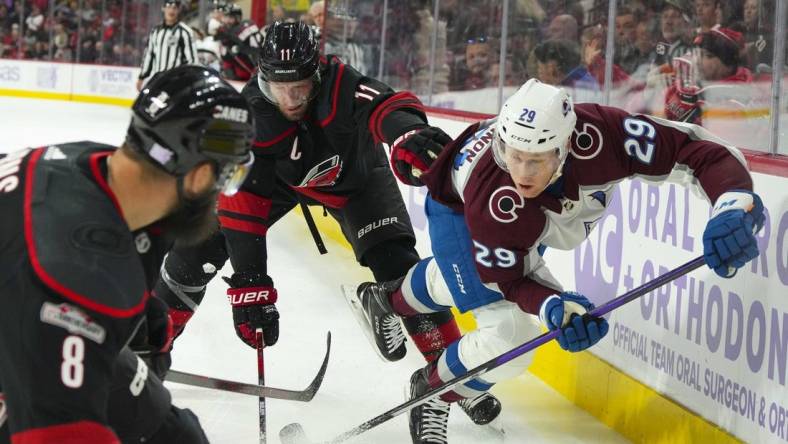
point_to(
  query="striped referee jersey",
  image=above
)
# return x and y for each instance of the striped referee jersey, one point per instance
(168, 47)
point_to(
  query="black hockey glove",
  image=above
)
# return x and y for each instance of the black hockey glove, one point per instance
(153, 341)
(252, 298)
(413, 153)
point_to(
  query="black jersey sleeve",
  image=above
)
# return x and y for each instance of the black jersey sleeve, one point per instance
(386, 113)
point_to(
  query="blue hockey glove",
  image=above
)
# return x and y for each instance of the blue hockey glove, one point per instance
(568, 312)
(729, 239)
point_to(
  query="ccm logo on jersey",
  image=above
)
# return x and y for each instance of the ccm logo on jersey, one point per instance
(376, 225)
(228, 113)
(251, 296)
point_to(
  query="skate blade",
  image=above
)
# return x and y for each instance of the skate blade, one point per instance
(351, 296)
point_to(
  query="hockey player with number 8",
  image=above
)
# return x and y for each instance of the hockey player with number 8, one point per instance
(82, 237)
(540, 175)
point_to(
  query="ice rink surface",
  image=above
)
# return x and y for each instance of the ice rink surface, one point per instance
(358, 385)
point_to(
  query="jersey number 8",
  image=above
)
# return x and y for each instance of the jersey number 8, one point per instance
(72, 370)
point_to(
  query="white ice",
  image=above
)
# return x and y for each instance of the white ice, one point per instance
(357, 386)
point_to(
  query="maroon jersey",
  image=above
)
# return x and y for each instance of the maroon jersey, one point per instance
(608, 145)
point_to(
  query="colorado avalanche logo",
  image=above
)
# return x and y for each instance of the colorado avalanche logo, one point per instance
(504, 203)
(586, 144)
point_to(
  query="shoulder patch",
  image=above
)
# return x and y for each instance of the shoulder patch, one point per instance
(77, 242)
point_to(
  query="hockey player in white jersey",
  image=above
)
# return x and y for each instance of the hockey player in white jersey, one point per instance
(540, 176)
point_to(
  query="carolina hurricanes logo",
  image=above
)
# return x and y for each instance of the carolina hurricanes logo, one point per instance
(586, 144)
(504, 203)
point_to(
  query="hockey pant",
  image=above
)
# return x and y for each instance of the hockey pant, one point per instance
(450, 279)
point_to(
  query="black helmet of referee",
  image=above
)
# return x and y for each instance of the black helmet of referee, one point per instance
(290, 53)
(189, 115)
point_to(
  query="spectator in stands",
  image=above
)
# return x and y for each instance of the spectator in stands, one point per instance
(524, 34)
(647, 35)
(626, 54)
(60, 43)
(318, 13)
(88, 52)
(719, 62)
(5, 18)
(559, 63)
(475, 73)
(675, 27)
(11, 42)
(563, 27)
(571, 7)
(674, 42)
(35, 21)
(423, 57)
(720, 56)
(592, 43)
(707, 14)
(758, 31)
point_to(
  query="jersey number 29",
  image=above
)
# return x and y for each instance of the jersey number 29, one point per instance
(501, 257)
(640, 143)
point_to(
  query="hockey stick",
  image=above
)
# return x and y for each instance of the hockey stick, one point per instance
(305, 395)
(261, 380)
(294, 433)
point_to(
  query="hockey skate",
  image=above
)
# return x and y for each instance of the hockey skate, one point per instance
(369, 303)
(482, 409)
(428, 422)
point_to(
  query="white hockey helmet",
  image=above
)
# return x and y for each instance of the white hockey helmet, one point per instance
(537, 118)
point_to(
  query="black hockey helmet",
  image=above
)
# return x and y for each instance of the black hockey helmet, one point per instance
(290, 53)
(188, 115)
(233, 10)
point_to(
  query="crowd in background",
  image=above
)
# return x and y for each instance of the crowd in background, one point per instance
(561, 42)
(672, 47)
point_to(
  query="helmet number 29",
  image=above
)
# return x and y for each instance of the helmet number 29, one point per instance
(640, 143)
(528, 115)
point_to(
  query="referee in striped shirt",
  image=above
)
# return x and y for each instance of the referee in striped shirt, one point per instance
(170, 44)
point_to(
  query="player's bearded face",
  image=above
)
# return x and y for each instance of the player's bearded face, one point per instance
(194, 217)
(530, 172)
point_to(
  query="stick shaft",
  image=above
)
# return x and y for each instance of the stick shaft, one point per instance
(261, 381)
(520, 350)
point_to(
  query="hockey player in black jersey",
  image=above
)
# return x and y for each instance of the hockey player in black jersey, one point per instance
(240, 39)
(320, 126)
(79, 249)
